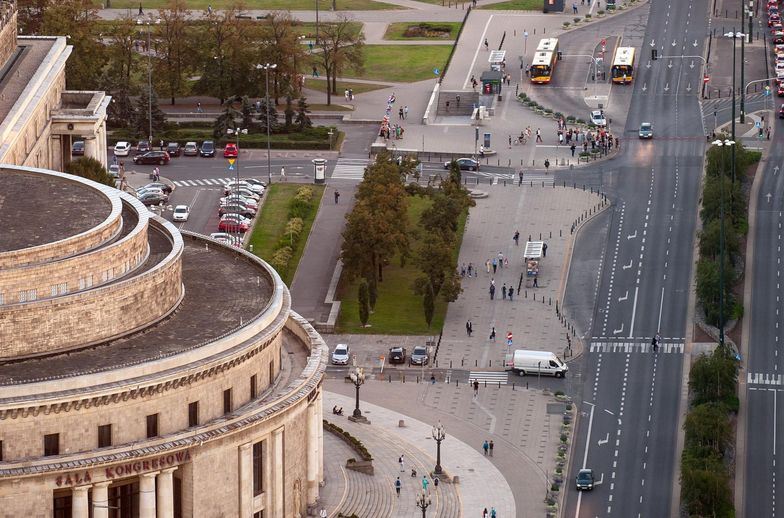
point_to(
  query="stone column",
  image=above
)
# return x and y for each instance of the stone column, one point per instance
(246, 480)
(80, 507)
(165, 493)
(277, 473)
(101, 500)
(321, 436)
(56, 153)
(91, 147)
(314, 418)
(147, 495)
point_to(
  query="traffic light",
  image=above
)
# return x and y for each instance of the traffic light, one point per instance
(654, 54)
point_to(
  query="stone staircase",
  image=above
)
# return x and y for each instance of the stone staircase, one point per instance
(465, 107)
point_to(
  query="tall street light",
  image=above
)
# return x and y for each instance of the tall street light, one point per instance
(439, 434)
(266, 67)
(423, 502)
(735, 35)
(232, 194)
(357, 376)
(721, 143)
(149, 23)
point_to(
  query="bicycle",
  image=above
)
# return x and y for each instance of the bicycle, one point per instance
(520, 140)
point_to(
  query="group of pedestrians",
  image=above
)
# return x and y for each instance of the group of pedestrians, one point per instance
(389, 130)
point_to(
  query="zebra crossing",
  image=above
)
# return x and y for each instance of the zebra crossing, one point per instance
(350, 168)
(759, 378)
(202, 183)
(534, 179)
(491, 377)
(642, 346)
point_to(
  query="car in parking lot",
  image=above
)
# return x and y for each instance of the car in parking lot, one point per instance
(781, 112)
(245, 193)
(152, 157)
(778, 37)
(584, 479)
(242, 183)
(143, 147)
(232, 224)
(646, 130)
(114, 171)
(174, 149)
(77, 149)
(464, 164)
(225, 237)
(419, 356)
(207, 149)
(190, 149)
(236, 208)
(597, 117)
(239, 200)
(122, 148)
(181, 213)
(254, 181)
(153, 198)
(341, 354)
(397, 355)
(166, 188)
(230, 151)
(146, 190)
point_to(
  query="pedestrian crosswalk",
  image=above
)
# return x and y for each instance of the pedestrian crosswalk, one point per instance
(494, 377)
(534, 179)
(641, 346)
(759, 378)
(203, 182)
(350, 168)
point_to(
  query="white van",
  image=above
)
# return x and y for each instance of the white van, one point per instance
(524, 362)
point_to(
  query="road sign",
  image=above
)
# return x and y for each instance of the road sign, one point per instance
(604, 42)
(231, 163)
(436, 71)
(509, 336)
(705, 79)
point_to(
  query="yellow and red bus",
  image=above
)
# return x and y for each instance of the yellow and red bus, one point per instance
(542, 67)
(623, 65)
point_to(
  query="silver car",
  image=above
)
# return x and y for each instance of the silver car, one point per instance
(341, 354)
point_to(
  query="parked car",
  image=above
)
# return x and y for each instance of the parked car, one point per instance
(230, 151)
(584, 479)
(114, 171)
(419, 356)
(465, 164)
(143, 147)
(122, 148)
(232, 225)
(225, 237)
(233, 199)
(780, 90)
(207, 149)
(341, 354)
(236, 208)
(147, 190)
(166, 188)
(173, 149)
(244, 192)
(397, 355)
(153, 198)
(77, 149)
(190, 149)
(242, 183)
(778, 37)
(181, 213)
(781, 112)
(152, 157)
(254, 181)
(597, 117)
(646, 130)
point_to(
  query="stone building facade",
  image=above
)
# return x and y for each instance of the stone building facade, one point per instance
(177, 382)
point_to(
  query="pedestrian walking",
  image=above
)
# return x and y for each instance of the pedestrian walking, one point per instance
(486, 447)
(337, 197)
(546, 165)
(574, 8)
(141, 11)
(485, 514)
(476, 388)
(536, 283)
(397, 486)
(520, 178)
(400, 461)
(503, 292)
(495, 265)
(457, 100)
(447, 106)
(425, 483)
(470, 269)
(500, 259)
(198, 107)
(345, 95)
(516, 238)
(544, 249)
(487, 264)
(492, 334)
(405, 112)
(572, 147)
(510, 141)
(282, 174)
(400, 113)
(539, 135)
(511, 293)
(491, 447)
(492, 292)
(487, 45)
(492, 509)
(468, 327)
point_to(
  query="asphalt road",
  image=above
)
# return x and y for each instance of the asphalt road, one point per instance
(631, 395)
(763, 375)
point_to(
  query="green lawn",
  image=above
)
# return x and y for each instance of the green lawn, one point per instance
(401, 63)
(292, 5)
(398, 310)
(516, 5)
(395, 31)
(321, 85)
(272, 223)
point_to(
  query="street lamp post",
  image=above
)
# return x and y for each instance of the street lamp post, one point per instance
(149, 23)
(721, 143)
(357, 376)
(735, 35)
(237, 131)
(439, 434)
(423, 502)
(266, 67)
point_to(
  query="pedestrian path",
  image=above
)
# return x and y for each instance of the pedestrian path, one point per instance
(350, 168)
(494, 377)
(641, 345)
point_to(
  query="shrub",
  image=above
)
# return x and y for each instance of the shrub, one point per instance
(566, 24)
(281, 257)
(600, 12)
(577, 20)
(300, 205)
(588, 16)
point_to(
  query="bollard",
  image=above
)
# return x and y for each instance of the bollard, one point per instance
(450, 364)
(476, 363)
(526, 385)
(551, 234)
(504, 183)
(583, 187)
(534, 295)
(526, 294)
(540, 236)
(390, 378)
(485, 383)
(462, 362)
(499, 384)
(560, 232)
(490, 364)
(417, 379)
(551, 301)
(404, 378)
(457, 383)
(513, 387)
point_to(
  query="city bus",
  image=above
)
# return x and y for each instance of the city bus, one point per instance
(542, 67)
(623, 65)
(547, 45)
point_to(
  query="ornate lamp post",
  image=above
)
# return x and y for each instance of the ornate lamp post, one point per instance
(423, 502)
(266, 67)
(439, 434)
(357, 376)
(149, 22)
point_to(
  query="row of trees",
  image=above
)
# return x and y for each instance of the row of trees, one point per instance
(378, 232)
(216, 54)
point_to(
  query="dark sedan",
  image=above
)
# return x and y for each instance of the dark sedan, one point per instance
(397, 355)
(143, 147)
(173, 149)
(465, 164)
(78, 148)
(207, 149)
(153, 157)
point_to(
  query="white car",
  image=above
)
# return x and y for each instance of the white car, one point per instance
(247, 193)
(227, 238)
(254, 181)
(597, 117)
(258, 189)
(190, 149)
(341, 354)
(144, 190)
(122, 148)
(248, 202)
(181, 213)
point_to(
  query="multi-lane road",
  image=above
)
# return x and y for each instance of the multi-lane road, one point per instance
(631, 395)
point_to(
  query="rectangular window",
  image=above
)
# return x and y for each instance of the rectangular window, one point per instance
(193, 414)
(152, 425)
(271, 371)
(54, 290)
(51, 444)
(258, 468)
(32, 295)
(253, 387)
(104, 435)
(1, 451)
(2, 299)
(227, 401)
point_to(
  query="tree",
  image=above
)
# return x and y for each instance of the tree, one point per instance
(364, 303)
(289, 113)
(428, 304)
(30, 15)
(142, 115)
(705, 486)
(268, 112)
(710, 241)
(120, 52)
(341, 46)
(707, 426)
(284, 48)
(709, 288)
(173, 49)
(714, 377)
(301, 119)
(226, 121)
(372, 292)
(90, 168)
(734, 200)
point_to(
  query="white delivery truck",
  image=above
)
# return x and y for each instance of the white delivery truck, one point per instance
(524, 361)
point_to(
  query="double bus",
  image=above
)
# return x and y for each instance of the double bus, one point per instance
(623, 65)
(544, 60)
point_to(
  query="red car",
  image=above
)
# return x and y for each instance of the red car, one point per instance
(774, 18)
(780, 90)
(230, 151)
(229, 224)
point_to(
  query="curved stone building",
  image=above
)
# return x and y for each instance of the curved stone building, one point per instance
(146, 372)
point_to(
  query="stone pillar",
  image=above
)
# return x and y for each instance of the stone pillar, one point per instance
(165, 493)
(80, 507)
(277, 473)
(314, 418)
(91, 147)
(246, 480)
(56, 153)
(147, 495)
(321, 436)
(101, 500)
